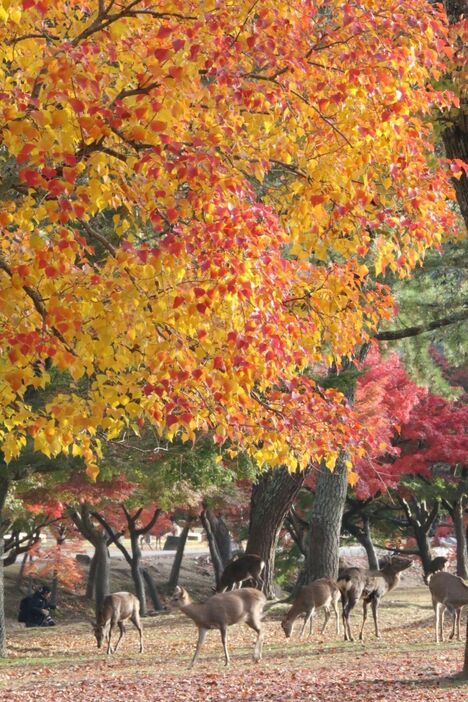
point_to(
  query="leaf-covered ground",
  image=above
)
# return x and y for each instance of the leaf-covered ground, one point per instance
(63, 664)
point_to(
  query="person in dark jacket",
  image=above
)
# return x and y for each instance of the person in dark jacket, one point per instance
(35, 608)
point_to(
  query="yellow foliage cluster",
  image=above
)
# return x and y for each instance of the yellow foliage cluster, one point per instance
(194, 206)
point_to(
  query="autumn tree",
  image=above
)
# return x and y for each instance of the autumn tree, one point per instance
(245, 156)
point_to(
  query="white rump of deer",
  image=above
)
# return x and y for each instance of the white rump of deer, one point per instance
(448, 592)
(320, 593)
(246, 567)
(223, 610)
(117, 609)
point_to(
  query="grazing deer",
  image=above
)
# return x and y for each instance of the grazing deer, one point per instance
(222, 610)
(117, 609)
(320, 593)
(448, 592)
(371, 585)
(246, 567)
(437, 564)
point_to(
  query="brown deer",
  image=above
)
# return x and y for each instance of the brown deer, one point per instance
(448, 592)
(246, 567)
(320, 593)
(371, 585)
(223, 610)
(117, 609)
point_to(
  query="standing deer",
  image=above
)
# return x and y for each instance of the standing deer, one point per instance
(371, 585)
(223, 610)
(117, 609)
(448, 592)
(320, 593)
(246, 567)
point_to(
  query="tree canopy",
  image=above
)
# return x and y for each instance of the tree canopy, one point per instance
(196, 204)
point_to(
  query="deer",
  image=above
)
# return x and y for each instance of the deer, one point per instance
(246, 567)
(371, 585)
(116, 610)
(320, 593)
(440, 563)
(221, 611)
(448, 592)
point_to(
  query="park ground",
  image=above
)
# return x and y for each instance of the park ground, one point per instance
(63, 663)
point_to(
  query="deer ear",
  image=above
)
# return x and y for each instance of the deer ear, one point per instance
(178, 590)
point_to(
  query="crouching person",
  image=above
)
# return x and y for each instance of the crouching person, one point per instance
(35, 608)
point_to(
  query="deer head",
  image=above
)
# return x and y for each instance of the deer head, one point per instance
(99, 634)
(180, 598)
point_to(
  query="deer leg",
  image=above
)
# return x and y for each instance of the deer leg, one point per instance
(326, 620)
(201, 639)
(438, 607)
(364, 617)
(375, 612)
(337, 616)
(122, 632)
(255, 623)
(109, 637)
(347, 606)
(457, 618)
(441, 622)
(137, 623)
(307, 618)
(224, 640)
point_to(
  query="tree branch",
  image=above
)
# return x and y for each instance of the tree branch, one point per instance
(395, 334)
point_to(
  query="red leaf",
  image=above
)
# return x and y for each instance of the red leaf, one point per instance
(161, 54)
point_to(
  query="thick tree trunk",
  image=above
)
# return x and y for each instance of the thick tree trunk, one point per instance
(102, 577)
(424, 547)
(460, 533)
(175, 570)
(272, 497)
(455, 136)
(213, 546)
(89, 594)
(221, 536)
(137, 573)
(325, 523)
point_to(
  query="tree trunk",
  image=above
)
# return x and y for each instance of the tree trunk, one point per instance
(19, 577)
(221, 536)
(369, 546)
(455, 136)
(89, 594)
(325, 523)
(4, 487)
(102, 576)
(272, 497)
(137, 573)
(363, 535)
(460, 533)
(424, 547)
(213, 546)
(152, 590)
(175, 570)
